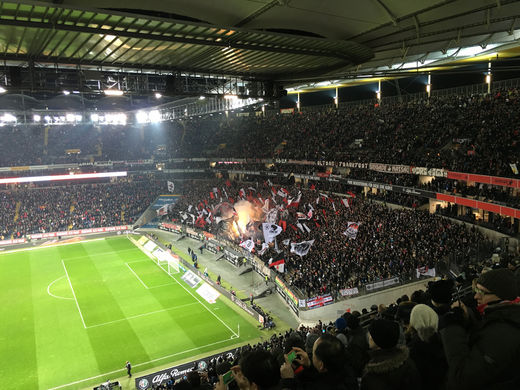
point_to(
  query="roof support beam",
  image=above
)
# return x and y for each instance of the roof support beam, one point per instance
(388, 12)
(193, 41)
(257, 13)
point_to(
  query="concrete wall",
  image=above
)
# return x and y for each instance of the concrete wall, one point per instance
(332, 312)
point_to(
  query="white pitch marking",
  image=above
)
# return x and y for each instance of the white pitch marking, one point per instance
(137, 276)
(198, 300)
(74, 294)
(56, 296)
(141, 315)
(139, 364)
(163, 285)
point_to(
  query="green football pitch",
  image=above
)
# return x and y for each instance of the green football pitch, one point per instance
(72, 315)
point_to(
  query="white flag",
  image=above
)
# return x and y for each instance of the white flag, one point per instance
(271, 216)
(301, 248)
(425, 271)
(163, 210)
(345, 202)
(286, 242)
(265, 246)
(171, 186)
(352, 230)
(299, 225)
(270, 231)
(249, 245)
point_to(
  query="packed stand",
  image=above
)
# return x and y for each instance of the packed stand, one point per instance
(387, 242)
(438, 339)
(59, 208)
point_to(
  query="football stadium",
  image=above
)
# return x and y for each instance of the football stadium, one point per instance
(260, 195)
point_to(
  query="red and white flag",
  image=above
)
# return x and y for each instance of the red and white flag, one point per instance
(278, 265)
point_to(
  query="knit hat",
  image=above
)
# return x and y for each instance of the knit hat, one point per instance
(352, 320)
(425, 321)
(340, 324)
(385, 333)
(501, 282)
(441, 292)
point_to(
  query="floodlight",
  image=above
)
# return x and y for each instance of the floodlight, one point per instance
(94, 117)
(66, 92)
(37, 118)
(8, 118)
(158, 95)
(141, 117)
(3, 90)
(70, 117)
(113, 92)
(202, 97)
(155, 116)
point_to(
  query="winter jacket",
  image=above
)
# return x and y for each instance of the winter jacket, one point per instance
(489, 356)
(430, 361)
(390, 369)
(310, 379)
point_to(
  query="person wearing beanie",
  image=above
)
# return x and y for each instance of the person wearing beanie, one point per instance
(487, 354)
(441, 293)
(389, 366)
(341, 327)
(426, 347)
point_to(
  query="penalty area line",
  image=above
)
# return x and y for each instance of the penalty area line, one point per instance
(137, 276)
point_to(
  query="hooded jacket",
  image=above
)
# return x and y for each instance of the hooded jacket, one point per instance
(488, 357)
(390, 369)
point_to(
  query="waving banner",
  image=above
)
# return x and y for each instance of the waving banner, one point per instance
(270, 231)
(301, 248)
(352, 230)
(249, 245)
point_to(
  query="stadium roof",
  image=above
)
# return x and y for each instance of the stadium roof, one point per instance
(281, 40)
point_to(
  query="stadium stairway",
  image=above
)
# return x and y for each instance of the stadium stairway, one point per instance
(17, 211)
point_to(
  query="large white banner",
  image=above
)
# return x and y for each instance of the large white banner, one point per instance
(301, 248)
(270, 231)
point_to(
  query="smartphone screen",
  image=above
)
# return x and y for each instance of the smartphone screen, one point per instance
(291, 356)
(228, 377)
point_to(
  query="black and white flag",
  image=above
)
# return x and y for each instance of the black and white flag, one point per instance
(270, 231)
(171, 186)
(301, 248)
(352, 230)
(249, 245)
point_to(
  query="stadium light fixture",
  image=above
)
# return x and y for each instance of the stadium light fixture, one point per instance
(113, 92)
(158, 95)
(155, 116)
(94, 117)
(37, 118)
(70, 117)
(202, 97)
(66, 93)
(141, 117)
(8, 118)
(2, 90)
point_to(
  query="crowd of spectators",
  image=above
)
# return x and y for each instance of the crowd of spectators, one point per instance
(438, 339)
(75, 206)
(389, 242)
(476, 134)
